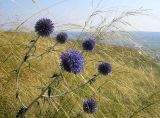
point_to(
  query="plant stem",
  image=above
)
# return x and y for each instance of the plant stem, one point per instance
(36, 99)
(47, 51)
(75, 89)
(143, 108)
(20, 67)
(30, 105)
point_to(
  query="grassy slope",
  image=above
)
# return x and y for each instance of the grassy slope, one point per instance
(131, 85)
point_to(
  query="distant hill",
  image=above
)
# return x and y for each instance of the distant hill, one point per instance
(148, 41)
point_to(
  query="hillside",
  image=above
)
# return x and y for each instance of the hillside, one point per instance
(132, 85)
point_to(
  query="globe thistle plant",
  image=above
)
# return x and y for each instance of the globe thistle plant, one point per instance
(72, 61)
(90, 106)
(88, 44)
(44, 27)
(61, 37)
(104, 68)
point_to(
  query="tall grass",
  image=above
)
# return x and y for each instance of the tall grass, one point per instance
(133, 84)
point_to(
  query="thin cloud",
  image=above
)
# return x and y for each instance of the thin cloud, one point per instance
(13, 0)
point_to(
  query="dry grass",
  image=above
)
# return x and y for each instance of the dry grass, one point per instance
(132, 85)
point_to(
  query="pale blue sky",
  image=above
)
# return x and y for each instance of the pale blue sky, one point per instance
(12, 12)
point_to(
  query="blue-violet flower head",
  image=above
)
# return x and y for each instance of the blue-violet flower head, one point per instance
(104, 68)
(90, 105)
(72, 61)
(44, 27)
(88, 44)
(61, 37)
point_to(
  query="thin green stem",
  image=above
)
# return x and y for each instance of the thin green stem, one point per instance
(90, 81)
(143, 108)
(46, 52)
(22, 114)
(30, 105)
(18, 71)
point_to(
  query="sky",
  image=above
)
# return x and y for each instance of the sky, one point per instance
(14, 12)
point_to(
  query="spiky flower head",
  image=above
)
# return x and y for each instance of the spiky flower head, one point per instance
(72, 61)
(104, 68)
(44, 27)
(90, 105)
(88, 44)
(61, 37)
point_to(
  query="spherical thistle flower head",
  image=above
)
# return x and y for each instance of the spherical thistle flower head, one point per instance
(88, 44)
(44, 27)
(104, 68)
(61, 37)
(72, 61)
(90, 105)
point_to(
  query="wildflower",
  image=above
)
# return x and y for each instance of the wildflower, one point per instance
(104, 68)
(72, 61)
(90, 105)
(61, 37)
(88, 44)
(44, 27)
